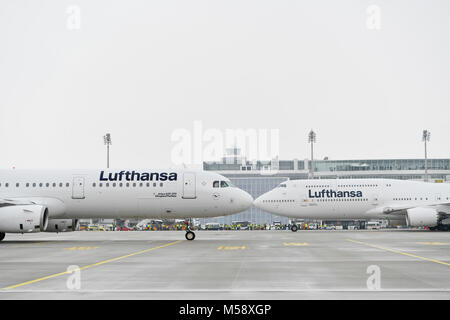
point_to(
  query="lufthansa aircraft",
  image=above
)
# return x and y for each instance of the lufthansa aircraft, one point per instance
(421, 204)
(53, 201)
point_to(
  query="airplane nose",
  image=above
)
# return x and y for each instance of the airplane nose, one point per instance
(246, 200)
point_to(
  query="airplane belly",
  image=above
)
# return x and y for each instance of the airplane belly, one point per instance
(150, 207)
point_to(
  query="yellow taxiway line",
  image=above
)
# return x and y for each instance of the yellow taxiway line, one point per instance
(89, 266)
(399, 252)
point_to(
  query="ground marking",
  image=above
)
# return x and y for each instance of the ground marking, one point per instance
(433, 243)
(399, 252)
(80, 248)
(90, 266)
(231, 248)
(295, 244)
(28, 244)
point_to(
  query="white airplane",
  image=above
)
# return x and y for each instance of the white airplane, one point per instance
(422, 204)
(53, 201)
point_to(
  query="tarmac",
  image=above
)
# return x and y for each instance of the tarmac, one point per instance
(334, 264)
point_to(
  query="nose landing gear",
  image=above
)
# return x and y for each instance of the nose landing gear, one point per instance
(190, 235)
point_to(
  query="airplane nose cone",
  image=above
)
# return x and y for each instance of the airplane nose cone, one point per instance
(247, 200)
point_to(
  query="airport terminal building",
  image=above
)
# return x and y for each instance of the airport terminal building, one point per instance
(258, 177)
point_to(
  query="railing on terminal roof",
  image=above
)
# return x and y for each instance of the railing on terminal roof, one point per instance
(336, 165)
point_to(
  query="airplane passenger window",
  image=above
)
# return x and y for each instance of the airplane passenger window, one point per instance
(223, 184)
(215, 184)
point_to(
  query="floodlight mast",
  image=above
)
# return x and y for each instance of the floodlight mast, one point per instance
(426, 138)
(107, 141)
(312, 140)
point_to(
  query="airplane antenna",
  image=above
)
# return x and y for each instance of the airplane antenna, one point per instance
(312, 140)
(426, 138)
(107, 141)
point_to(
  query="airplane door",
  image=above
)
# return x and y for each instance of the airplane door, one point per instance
(78, 188)
(303, 200)
(189, 191)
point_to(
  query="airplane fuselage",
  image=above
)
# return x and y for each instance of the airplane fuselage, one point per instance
(123, 193)
(353, 198)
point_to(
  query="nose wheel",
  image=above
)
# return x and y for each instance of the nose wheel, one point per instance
(190, 235)
(294, 228)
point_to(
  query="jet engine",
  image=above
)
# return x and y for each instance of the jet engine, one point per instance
(422, 217)
(62, 225)
(23, 218)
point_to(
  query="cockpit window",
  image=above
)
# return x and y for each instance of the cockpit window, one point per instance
(216, 184)
(223, 184)
(283, 185)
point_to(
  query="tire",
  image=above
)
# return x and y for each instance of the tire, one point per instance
(190, 235)
(294, 228)
(2, 236)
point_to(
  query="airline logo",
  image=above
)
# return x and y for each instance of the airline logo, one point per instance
(138, 176)
(335, 194)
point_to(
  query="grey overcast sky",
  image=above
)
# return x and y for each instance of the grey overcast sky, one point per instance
(143, 69)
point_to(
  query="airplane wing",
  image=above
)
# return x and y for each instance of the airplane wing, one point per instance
(4, 202)
(56, 206)
(402, 208)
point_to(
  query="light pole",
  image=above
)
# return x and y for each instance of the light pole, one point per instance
(425, 138)
(107, 141)
(312, 140)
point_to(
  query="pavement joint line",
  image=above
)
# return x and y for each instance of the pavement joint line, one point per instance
(400, 252)
(89, 266)
(227, 290)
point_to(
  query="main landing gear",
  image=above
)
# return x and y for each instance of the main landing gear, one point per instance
(2, 236)
(441, 227)
(190, 235)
